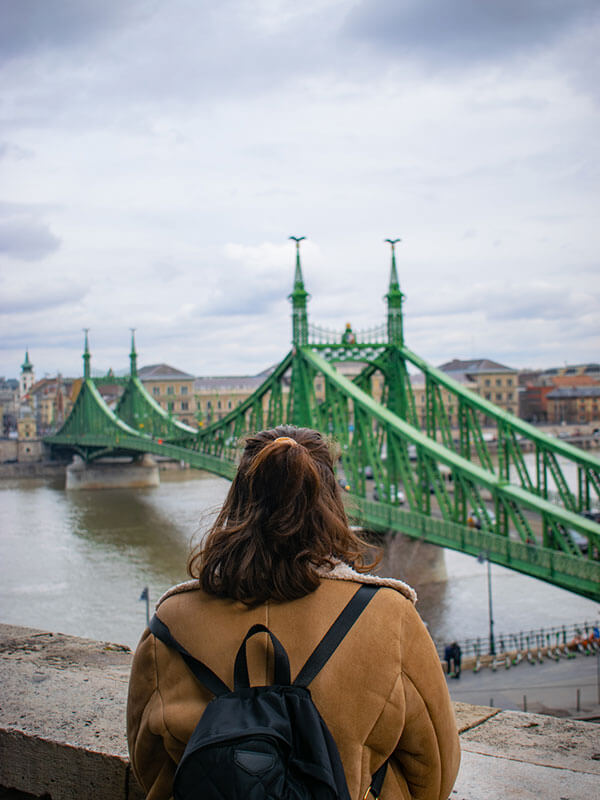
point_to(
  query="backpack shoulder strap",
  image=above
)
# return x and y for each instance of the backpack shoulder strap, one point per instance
(203, 673)
(328, 644)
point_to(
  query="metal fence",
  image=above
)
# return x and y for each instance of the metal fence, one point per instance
(318, 334)
(533, 640)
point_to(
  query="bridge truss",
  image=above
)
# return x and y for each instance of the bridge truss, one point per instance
(430, 479)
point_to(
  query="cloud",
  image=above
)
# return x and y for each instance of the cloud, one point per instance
(177, 145)
(28, 294)
(9, 150)
(30, 26)
(23, 235)
(463, 32)
(511, 302)
(252, 280)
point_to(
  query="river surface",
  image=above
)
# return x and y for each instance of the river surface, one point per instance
(77, 561)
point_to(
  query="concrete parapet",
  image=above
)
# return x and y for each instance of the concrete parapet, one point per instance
(62, 731)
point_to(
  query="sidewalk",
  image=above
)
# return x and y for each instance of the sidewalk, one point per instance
(549, 688)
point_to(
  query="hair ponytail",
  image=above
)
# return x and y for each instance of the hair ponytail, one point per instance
(282, 519)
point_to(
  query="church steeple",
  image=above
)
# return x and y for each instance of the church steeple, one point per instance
(299, 298)
(27, 375)
(27, 366)
(394, 299)
(133, 356)
(86, 356)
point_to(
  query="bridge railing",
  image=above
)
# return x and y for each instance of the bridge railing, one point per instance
(318, 334)
(522, 641)
(567, 571)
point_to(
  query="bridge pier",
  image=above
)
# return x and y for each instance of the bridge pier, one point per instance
(412, 560)
(141, 473)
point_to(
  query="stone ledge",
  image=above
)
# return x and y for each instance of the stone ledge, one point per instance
(62, 731)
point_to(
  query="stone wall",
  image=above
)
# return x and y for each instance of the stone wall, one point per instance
(22, 450)
(62, 731)
(9, 450)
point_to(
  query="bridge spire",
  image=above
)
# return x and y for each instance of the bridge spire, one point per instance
(299, 298)
(133, 356)
(394, 299)
(86, 356)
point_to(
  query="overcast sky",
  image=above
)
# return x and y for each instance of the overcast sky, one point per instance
(155, 157)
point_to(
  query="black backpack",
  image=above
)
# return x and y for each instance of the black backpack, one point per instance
(265, 742)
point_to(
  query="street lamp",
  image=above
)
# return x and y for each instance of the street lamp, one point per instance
(482, 557)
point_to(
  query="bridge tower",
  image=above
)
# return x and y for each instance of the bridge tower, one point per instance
(299, 298)
(394, 298)
(133, 356)
(86, 356)
(300, 406)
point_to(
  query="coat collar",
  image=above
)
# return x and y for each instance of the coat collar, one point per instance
(339, 572)
(344, 572)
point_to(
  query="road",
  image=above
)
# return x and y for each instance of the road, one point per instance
(549, 687)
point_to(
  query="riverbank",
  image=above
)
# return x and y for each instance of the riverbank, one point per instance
(33, 469)
(53, 469)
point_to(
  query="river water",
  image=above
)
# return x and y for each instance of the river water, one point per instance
(76, 562)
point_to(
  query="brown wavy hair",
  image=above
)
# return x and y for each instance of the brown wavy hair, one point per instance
(282, 519)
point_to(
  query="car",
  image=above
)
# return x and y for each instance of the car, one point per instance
(580, 540)
(368, 472)
(594, 516)
(400, 496)
(476, 515)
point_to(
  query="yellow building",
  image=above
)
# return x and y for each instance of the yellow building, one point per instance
(489, 379)
(219, 395)
(450, 402)
(575, 404)
(52, 401)
(172, 389)
(26, 427)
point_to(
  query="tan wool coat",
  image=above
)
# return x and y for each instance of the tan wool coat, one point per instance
(382, 694)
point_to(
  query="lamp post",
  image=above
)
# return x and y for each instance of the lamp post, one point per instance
(482, 558)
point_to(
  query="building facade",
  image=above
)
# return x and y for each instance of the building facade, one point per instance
(172, 389)
(536, 405)
(574, 405)
(51, 400)
(219, 395)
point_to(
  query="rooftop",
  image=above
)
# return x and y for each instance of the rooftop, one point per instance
(474, 366)
(226, 383)
(574, 391)
(162, 372)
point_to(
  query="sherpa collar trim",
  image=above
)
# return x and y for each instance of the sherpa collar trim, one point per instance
(344, 572)
(340, 572)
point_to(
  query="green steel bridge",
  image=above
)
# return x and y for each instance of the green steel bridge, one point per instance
(430, 477)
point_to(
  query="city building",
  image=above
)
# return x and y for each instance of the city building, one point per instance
(590, 369)
(51, 400)
(172, 389)
(26, 427)
(536, 386)
(9, 396)
(575, 404)
(27, 378)
(489, 379)
(417, 383)
(217, 396)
